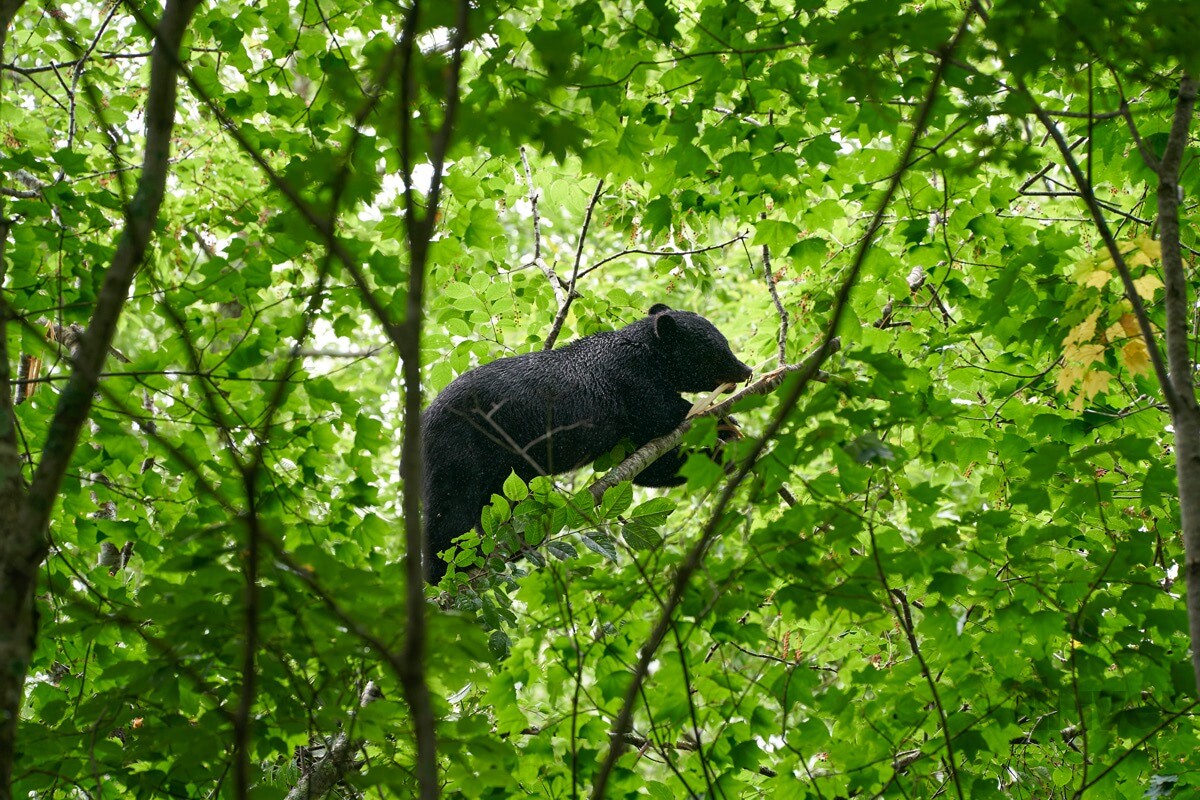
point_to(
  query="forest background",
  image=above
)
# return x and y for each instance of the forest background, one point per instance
(956, 553)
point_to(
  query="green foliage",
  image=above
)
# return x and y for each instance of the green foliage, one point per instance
(952, 571)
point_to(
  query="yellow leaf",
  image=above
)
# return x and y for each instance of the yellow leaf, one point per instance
(1085, 353)
(1151, 247)
(1137, 359)
(1082, 269)
(1084, 331)
(1129, 323)
(1146, 285)
(1099, 279)
(1094, 382)
(1114, 332)
(1067, 377)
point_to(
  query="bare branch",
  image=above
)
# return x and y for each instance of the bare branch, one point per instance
(741, 237)
(77, 73)
(560, 291)
(565, 305)
(783, 315)
(54, 67)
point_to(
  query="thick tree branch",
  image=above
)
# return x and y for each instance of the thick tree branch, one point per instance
(338, 758)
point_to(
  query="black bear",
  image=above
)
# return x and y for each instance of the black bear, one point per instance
(553, 411)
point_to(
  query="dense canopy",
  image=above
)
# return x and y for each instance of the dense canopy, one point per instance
(953, 553)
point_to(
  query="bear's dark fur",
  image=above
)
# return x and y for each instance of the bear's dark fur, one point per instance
(553, 411)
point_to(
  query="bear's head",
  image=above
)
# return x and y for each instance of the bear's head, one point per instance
(697, 354)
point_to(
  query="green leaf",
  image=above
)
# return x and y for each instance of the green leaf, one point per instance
(515, 488)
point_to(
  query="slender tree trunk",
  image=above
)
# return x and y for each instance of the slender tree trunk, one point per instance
(1185, 414)
(420, 229)
(24, 515)
(16, 620)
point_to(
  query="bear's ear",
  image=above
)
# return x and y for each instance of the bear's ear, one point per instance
(665, 326)
(658, 308)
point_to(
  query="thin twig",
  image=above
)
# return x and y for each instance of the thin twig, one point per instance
(560, 291)
(77, 73)
(565, 305)
(27, 71)
(783, 314)
(741, 237)
(898, 603)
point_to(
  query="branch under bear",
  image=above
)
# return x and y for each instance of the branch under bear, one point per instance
(652, 450)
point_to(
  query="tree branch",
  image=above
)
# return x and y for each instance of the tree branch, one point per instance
(338, 758)
(783, 315)
(691, 561)
(741, 237)
(420, 229)
(650, 452)
(560, 291)
(1110, 243)
(1185, 415)
(23, 538)
(565, 305)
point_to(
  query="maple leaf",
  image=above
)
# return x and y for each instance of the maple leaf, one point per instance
(1146, 285)
(1094, 382)
(1129, 323)
(1150, 247)
(1136, 357)
(1067, 376)
(1084, 354)
(1082, 332)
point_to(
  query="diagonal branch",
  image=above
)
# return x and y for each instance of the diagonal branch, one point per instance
(650, 452)
(24, 517)
(569, 295)
(141, 217)
(1110, 244)
(1175, 374)
(691, 561)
